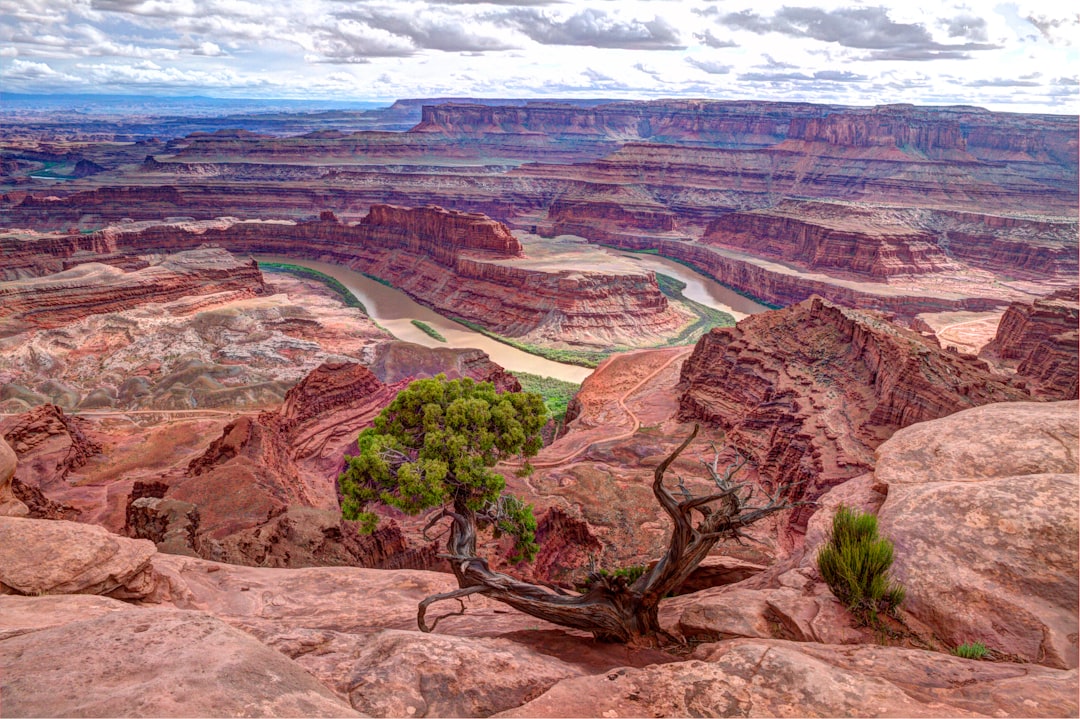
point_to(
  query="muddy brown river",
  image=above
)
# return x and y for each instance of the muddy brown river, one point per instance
(395, 310)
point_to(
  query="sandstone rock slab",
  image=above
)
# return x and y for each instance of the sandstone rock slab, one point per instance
(396, 673)
(61, 557)
(22, 615)
(982, 507)
(1005, 439)
(779, 678)
(155, 662)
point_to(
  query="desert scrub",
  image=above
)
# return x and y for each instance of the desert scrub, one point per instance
(629, 574)
(346, 295)
(429, 330)
(971, 650)
(855, 564)
(557, 393)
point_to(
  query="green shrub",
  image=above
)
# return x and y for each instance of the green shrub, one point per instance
(972, 650)
(631, 574)
(855, 564)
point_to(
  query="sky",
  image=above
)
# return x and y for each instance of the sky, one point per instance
(1011, 56)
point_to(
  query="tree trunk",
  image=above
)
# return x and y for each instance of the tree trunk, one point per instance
(610, 609)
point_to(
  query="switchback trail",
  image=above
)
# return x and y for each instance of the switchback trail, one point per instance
(621, 402)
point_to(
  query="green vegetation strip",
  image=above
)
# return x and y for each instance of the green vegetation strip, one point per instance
(341, 290)
(708, 317)
(581, 358)
(557, 393)
(429, 330)
(695, 268)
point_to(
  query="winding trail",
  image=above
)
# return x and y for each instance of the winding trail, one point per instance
(621, 402)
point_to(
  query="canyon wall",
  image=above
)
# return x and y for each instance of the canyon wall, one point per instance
(808, 392)
(464, 265)
(1040, 339)
(851, 242)
(93, 288)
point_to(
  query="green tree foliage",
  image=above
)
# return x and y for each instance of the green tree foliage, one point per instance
(435, 445)
(855, 564)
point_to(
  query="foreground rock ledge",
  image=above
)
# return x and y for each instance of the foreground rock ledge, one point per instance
(153, 662)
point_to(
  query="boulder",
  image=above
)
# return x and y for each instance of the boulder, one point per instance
(154, 662)
(61, 557)
(982, 509)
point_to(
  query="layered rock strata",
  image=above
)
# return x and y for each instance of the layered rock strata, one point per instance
(93, 288)
(1041, 340)
(810, 391)
(465, 265)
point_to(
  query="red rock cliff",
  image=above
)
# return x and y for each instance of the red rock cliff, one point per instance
(1042, 337)
(87, 289)
(808, 392)
(849, 241)
(440, 233)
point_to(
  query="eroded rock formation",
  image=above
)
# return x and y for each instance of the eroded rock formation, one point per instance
(810, 391)
(95, 288)
(1041, 340)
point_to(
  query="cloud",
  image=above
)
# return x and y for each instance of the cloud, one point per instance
(447, 34)
(513, 3)
(710, 40)
(966, 26)
(597, 29)
(351, 42)
(1003, 82)
(860, 28)
(821, 76)
(208, 49)
(713, 68)
(642, 67)
(1054, 29)
(29, 70)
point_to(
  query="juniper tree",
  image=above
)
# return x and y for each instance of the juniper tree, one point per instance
(435, 446)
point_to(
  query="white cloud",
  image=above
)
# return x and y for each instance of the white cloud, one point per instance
(828, 50)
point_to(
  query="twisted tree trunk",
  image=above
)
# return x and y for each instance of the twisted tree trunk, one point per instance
(612, 609)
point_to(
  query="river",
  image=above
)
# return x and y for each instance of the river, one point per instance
(699, 287)
(395, 310)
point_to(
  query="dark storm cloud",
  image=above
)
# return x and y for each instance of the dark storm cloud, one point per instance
(431, 34)
(860, 28)
(595, 28)
(710, 40)
(713, 68)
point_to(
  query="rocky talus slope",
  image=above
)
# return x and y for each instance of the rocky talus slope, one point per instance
(342, 641)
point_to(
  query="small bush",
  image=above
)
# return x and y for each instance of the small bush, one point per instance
(972, 650)
(631, 574)
(855, 564)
